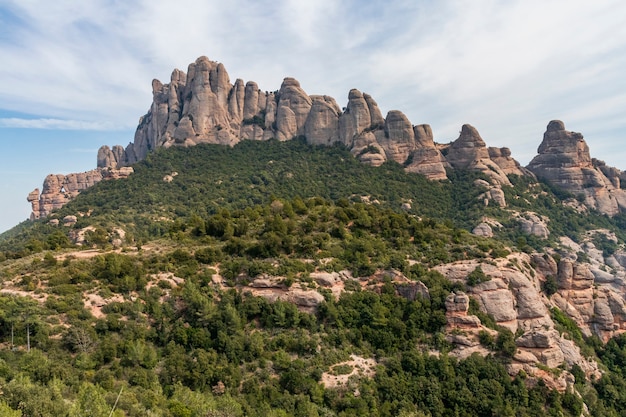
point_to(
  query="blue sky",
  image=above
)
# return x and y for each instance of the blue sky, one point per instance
(77, 75)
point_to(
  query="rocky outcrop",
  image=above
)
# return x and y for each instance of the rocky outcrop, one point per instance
(457, 317)
(59, 189)
(426, 159)
(201, 106)
(469, 151)
(563, 160)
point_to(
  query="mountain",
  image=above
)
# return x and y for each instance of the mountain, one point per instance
(325, 262)
(202, 106)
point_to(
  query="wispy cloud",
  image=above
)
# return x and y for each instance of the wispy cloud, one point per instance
(507, 67)
(54, 124)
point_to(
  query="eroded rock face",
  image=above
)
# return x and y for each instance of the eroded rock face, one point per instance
(457, 306)
(426, 159)
(469, 151)
(322, 123)
(59, 189)
(563, 159)
(201, 106)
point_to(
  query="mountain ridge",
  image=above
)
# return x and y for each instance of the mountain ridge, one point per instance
(202, 106)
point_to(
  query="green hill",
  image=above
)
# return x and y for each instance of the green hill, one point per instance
(166, 322)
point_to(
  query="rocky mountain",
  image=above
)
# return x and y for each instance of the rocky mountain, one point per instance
(202, 106)
(563, 159)
(59, 189)
(540, 281)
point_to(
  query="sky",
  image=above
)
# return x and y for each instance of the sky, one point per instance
(75, 75)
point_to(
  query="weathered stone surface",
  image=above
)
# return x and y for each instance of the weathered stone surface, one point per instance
(426, 159)
(293, 98)
(202, 106)
(59, 189)
(470, 152)
(502, 157)
(457, 303)
(111, 158)
(493, 193)
(563, 159)
(399, 139)
(302, 298)
(355, 119)
(544, 264)
(412, 290)
(326, 279)
(483, 229)
(538, 339)
(496, 299)
(532, 224)
(322, 124)
(469, 148)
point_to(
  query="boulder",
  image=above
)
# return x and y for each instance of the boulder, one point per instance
(483, 229)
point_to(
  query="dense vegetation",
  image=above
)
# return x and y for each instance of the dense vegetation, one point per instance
(120, 329)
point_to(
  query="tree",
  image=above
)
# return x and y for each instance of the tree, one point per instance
(90, 402)
(6, 411)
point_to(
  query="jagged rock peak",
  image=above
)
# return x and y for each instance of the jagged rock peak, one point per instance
(59, 189)
(555, 125)
(569, 147)
(564, 160)
(468, 149)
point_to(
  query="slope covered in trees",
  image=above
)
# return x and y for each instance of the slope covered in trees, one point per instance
(166, 319)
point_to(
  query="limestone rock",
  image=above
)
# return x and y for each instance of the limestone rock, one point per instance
(469, 151)
(355, 119)
(538, 339)
(532, 224)
(326, 279)
(302, 298)
(412, 290)
(502, 157)
(544, 264)
(496, 299)
(376, 117)
(457, 305)
(59, 189)
(111, 158)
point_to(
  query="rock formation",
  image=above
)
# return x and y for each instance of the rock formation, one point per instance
(59, 189)
(469, 151)
(563, 160)
(201, 106)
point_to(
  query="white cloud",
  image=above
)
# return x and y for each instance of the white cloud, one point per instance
(507, 67)
(55, 124)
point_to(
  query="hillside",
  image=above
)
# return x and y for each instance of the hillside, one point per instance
(282, 278)
(326, 262)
